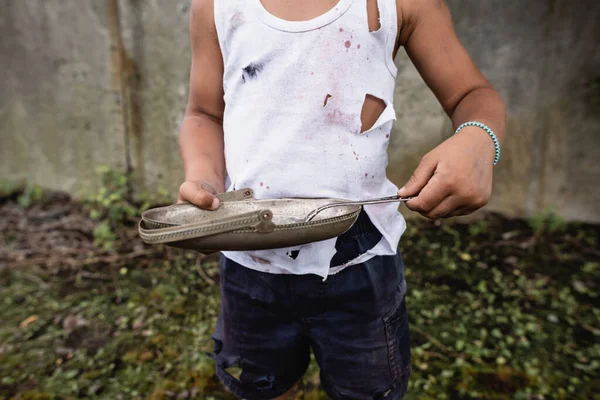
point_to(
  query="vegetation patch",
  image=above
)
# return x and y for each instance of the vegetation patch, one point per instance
(499, 309)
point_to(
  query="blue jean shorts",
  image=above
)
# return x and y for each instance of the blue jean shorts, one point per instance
(355, 322)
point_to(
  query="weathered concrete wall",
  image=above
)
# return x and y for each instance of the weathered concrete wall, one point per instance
(62, 76)
(156, 37)
(543, 56)
(59, 93)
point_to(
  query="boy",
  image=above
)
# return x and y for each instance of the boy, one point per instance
(296, 99)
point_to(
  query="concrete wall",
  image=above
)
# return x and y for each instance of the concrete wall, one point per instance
(544, 57)
(60, 113)
(71, 99)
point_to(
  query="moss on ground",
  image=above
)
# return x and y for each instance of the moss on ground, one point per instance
(498, 310)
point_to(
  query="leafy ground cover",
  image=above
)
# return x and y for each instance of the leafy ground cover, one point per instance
(499, 309)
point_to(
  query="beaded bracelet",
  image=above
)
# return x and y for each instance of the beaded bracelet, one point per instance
(488, 131)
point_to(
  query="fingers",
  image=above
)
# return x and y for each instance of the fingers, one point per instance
(438, 200)
(419, 178)
(435, 193)
(459, 212)
(466, 210)
(449, 207)
(197, 194)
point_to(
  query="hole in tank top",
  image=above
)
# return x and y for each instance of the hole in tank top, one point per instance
(373, 15)
(304, 10)
(372, 109)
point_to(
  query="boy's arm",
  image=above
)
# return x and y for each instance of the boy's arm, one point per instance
(455, 178)
(201, 137)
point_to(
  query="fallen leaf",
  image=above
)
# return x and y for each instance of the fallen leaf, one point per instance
(511, 260)
(510, 235)
(579, 286)
(552, 318)
(145, 356)
(465, 257)
(29, 320)
(137, 324)
(69, 323)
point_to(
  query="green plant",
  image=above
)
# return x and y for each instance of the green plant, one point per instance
(104, 235)
(112, 201)
(9, 189)
(111, 205)
(477, 228)
(546, 222)
(160, 196)
(31, 194)
(594, 89)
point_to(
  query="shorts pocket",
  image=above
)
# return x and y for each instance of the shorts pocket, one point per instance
(398, 340)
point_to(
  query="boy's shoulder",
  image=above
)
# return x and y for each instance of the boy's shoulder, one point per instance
(411, 13)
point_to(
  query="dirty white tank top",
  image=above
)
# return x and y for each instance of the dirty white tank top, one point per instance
(294, 91)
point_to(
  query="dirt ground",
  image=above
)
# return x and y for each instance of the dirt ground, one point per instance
(499, 309)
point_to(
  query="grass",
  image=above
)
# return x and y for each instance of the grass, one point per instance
(499, 309)
(504, 312)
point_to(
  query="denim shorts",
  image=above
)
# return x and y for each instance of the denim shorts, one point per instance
(355, 322)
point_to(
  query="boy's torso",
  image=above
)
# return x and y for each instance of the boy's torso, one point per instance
(309, 90)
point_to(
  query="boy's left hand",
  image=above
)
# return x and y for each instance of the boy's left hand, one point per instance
(455, 178)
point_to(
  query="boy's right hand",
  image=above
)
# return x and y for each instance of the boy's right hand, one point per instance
(199, 193)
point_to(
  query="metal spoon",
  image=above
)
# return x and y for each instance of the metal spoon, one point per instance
(389, 199)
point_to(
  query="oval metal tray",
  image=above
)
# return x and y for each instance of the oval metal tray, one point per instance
(242, 223)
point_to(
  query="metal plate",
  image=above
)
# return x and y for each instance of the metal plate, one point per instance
(234, 225)
(285, 211)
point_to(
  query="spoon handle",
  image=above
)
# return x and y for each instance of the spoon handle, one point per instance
(379, 200)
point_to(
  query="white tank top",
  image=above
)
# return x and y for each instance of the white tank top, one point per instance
(294, 92)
